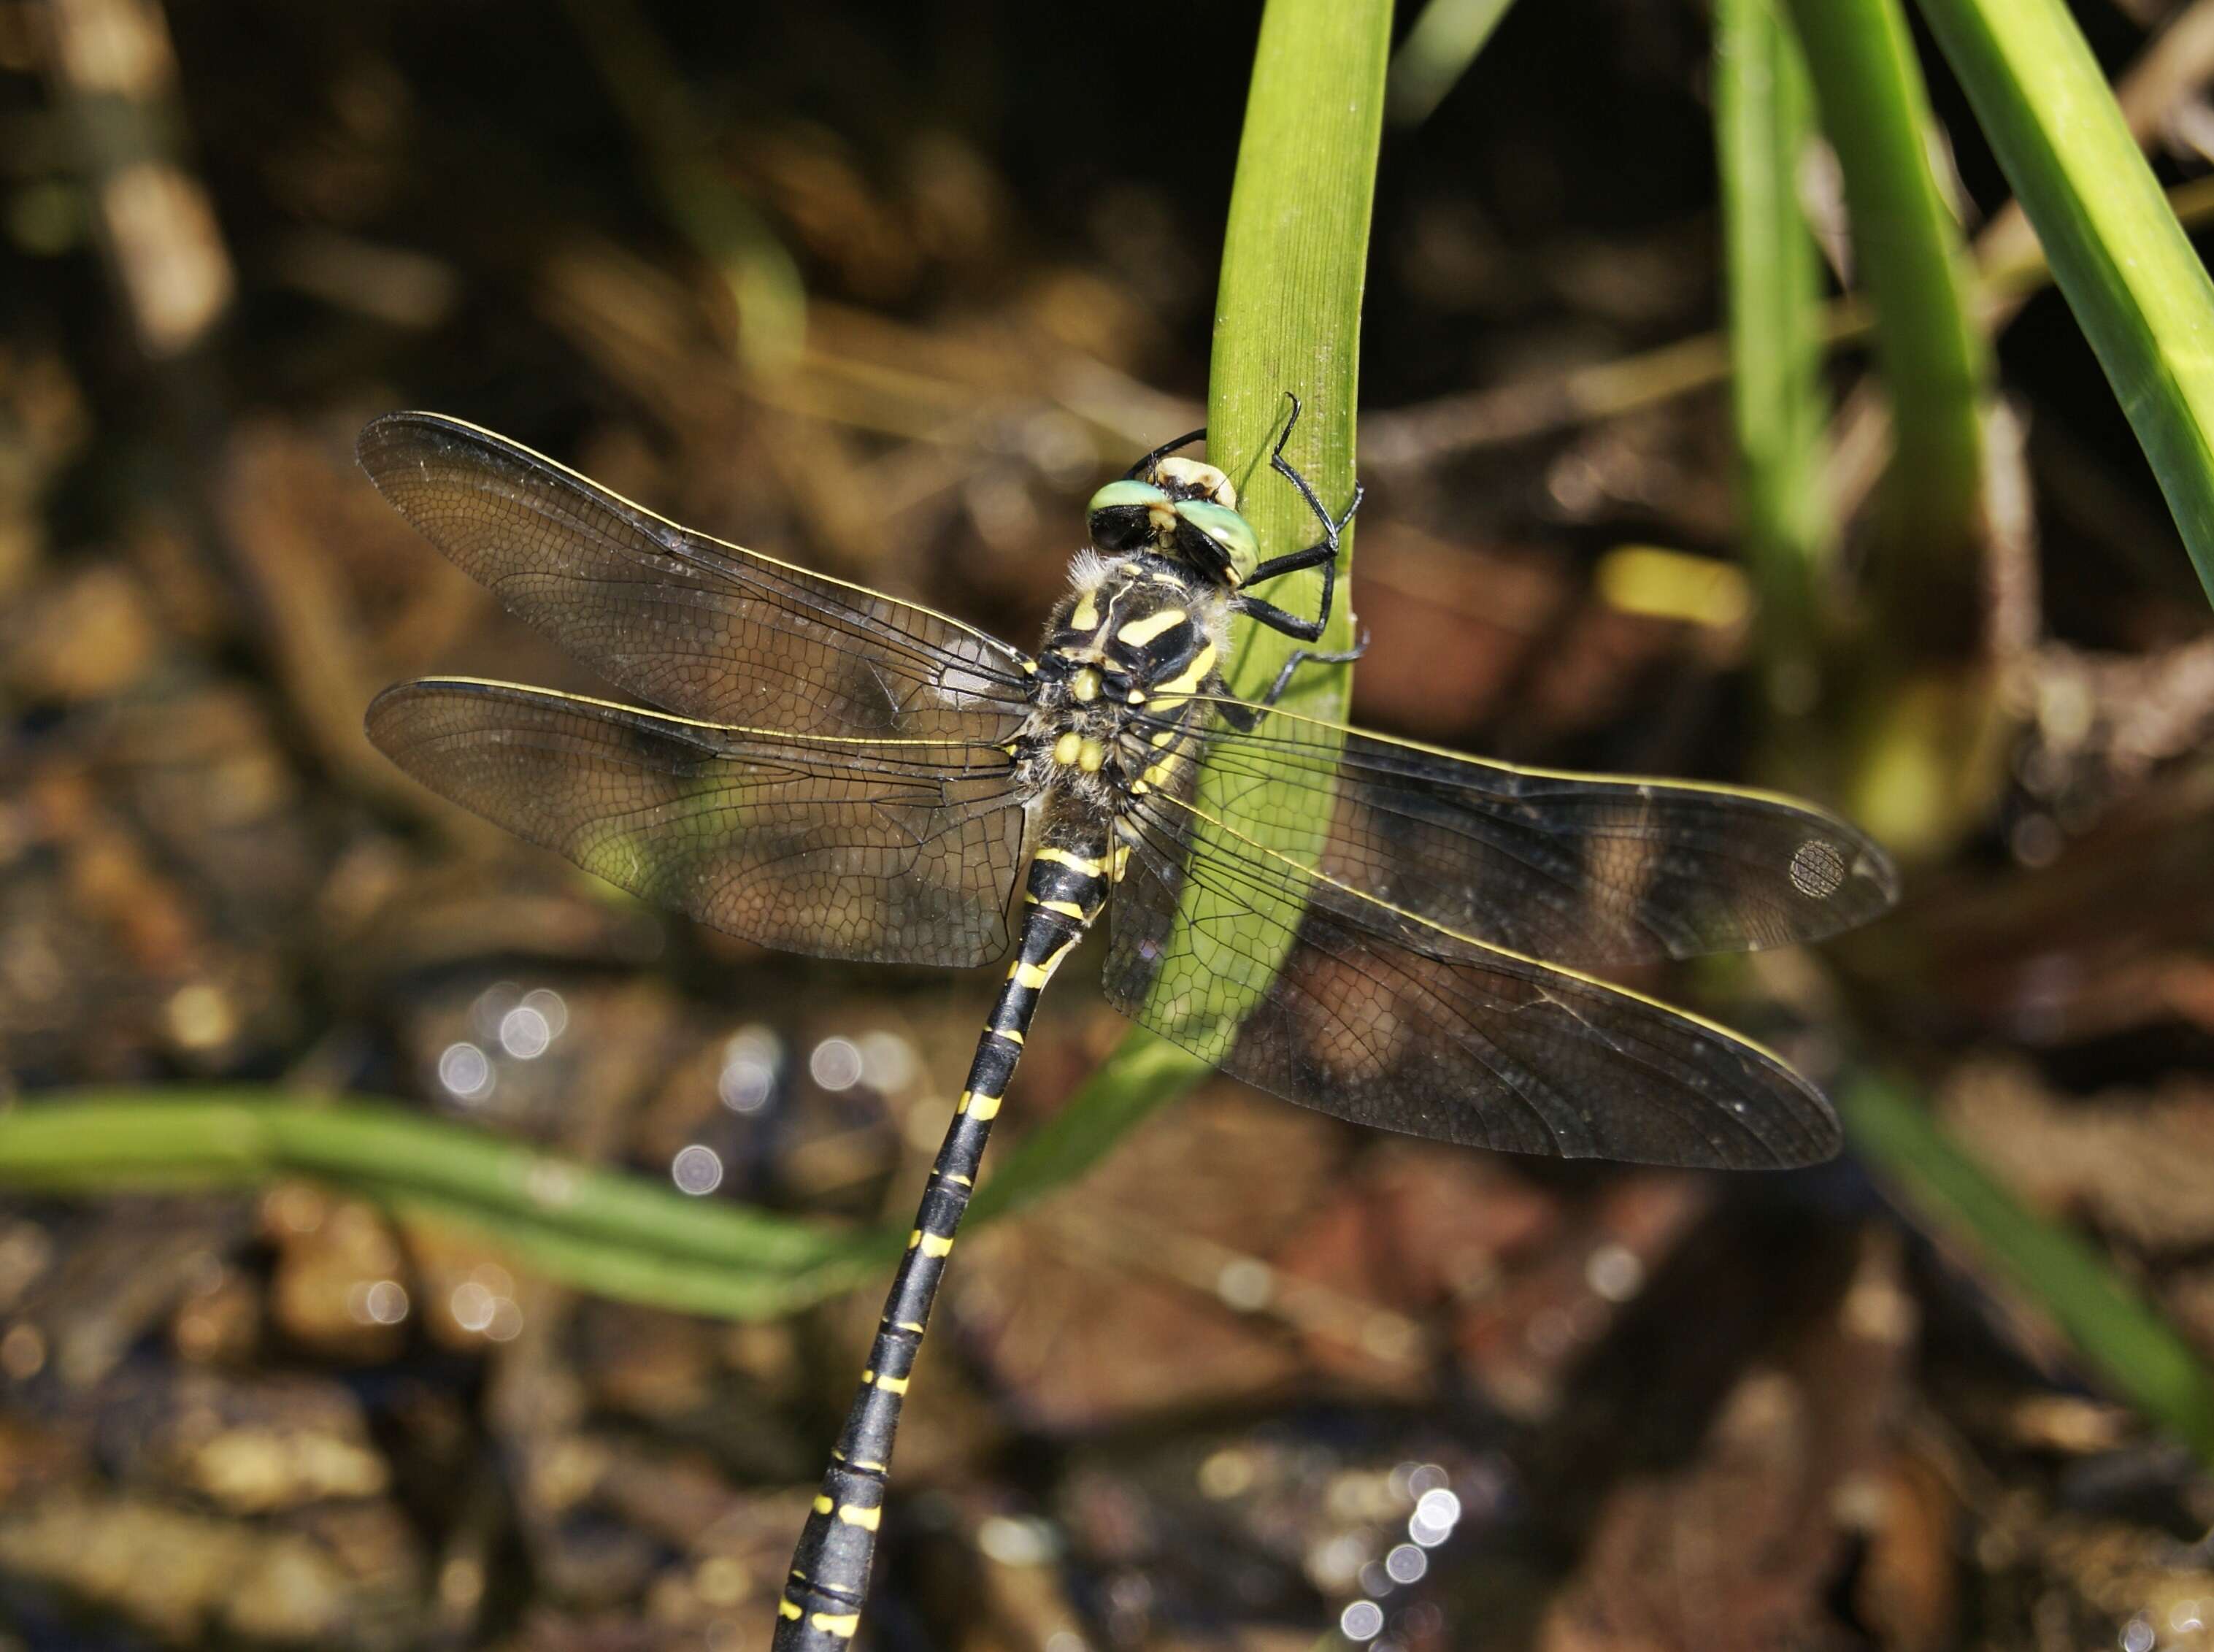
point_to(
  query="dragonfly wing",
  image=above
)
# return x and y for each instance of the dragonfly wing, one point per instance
(891, 851)
(1315, 992)
(1578, 869)
(700, 628)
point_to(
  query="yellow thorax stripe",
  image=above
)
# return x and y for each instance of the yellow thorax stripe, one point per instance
(1187, 681)
(1139, 632)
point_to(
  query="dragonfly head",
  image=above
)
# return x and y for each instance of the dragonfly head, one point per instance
(1180, 508)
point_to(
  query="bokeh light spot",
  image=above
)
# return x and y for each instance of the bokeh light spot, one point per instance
(465, 1071)
(1363, 1620)
(696, 1170)
(836, 1064)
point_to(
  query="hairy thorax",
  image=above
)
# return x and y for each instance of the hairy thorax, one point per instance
(1125, 653)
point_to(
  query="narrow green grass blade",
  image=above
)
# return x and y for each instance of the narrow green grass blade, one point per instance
(634, 1273)
(611, 1232)
(1288, 318)
(1437, 53)
(1907, 252)
(2138, 291)
(98, 1140)
(2114, 1329)
(1764, 126)
(1288, 312)
(1917, 746)
(1287, 323)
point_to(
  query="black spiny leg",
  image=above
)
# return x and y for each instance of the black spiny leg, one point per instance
(1163, 451)
(1322, 554)
(1310, 656)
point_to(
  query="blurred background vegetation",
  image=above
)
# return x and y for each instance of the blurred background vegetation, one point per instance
(408, 1243)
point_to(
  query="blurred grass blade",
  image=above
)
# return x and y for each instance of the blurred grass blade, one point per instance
(725, 227)
(246, 1134)
(2111, 1327)
(2138, 289)
(634, 1273)
(1907, 253)
(1917, 751)
(1437, 53)
(1763, 127)
(584, 1226)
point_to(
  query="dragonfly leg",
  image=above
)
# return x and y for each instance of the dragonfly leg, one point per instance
(1323, 553)
(1311, 657)
(1163, 451)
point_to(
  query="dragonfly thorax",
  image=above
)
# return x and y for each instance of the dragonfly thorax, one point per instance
(1126, 651)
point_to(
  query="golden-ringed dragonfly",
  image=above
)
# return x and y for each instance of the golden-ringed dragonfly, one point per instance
(1391, 933)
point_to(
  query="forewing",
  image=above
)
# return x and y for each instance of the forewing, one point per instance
(1315, 992)
(1576, 869)
(890, 851)
(697, 627)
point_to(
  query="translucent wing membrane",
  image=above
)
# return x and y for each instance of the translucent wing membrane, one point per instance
(1577, 868)
(1366, 1011)
(894, 851)
(700, 628)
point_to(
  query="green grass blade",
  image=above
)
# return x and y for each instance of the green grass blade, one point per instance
(103, 1138)
(1907, 253)
(1916, 751)
(634, 1273)
(612, 1231)
(1288, 317)
(1437, 53)
(2138, 291)
(2111, 1327)
(1764, 126)
(1288, 312)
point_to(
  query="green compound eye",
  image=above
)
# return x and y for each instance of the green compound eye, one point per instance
(1123, 494)
(1231, 536)
(1121, 516)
